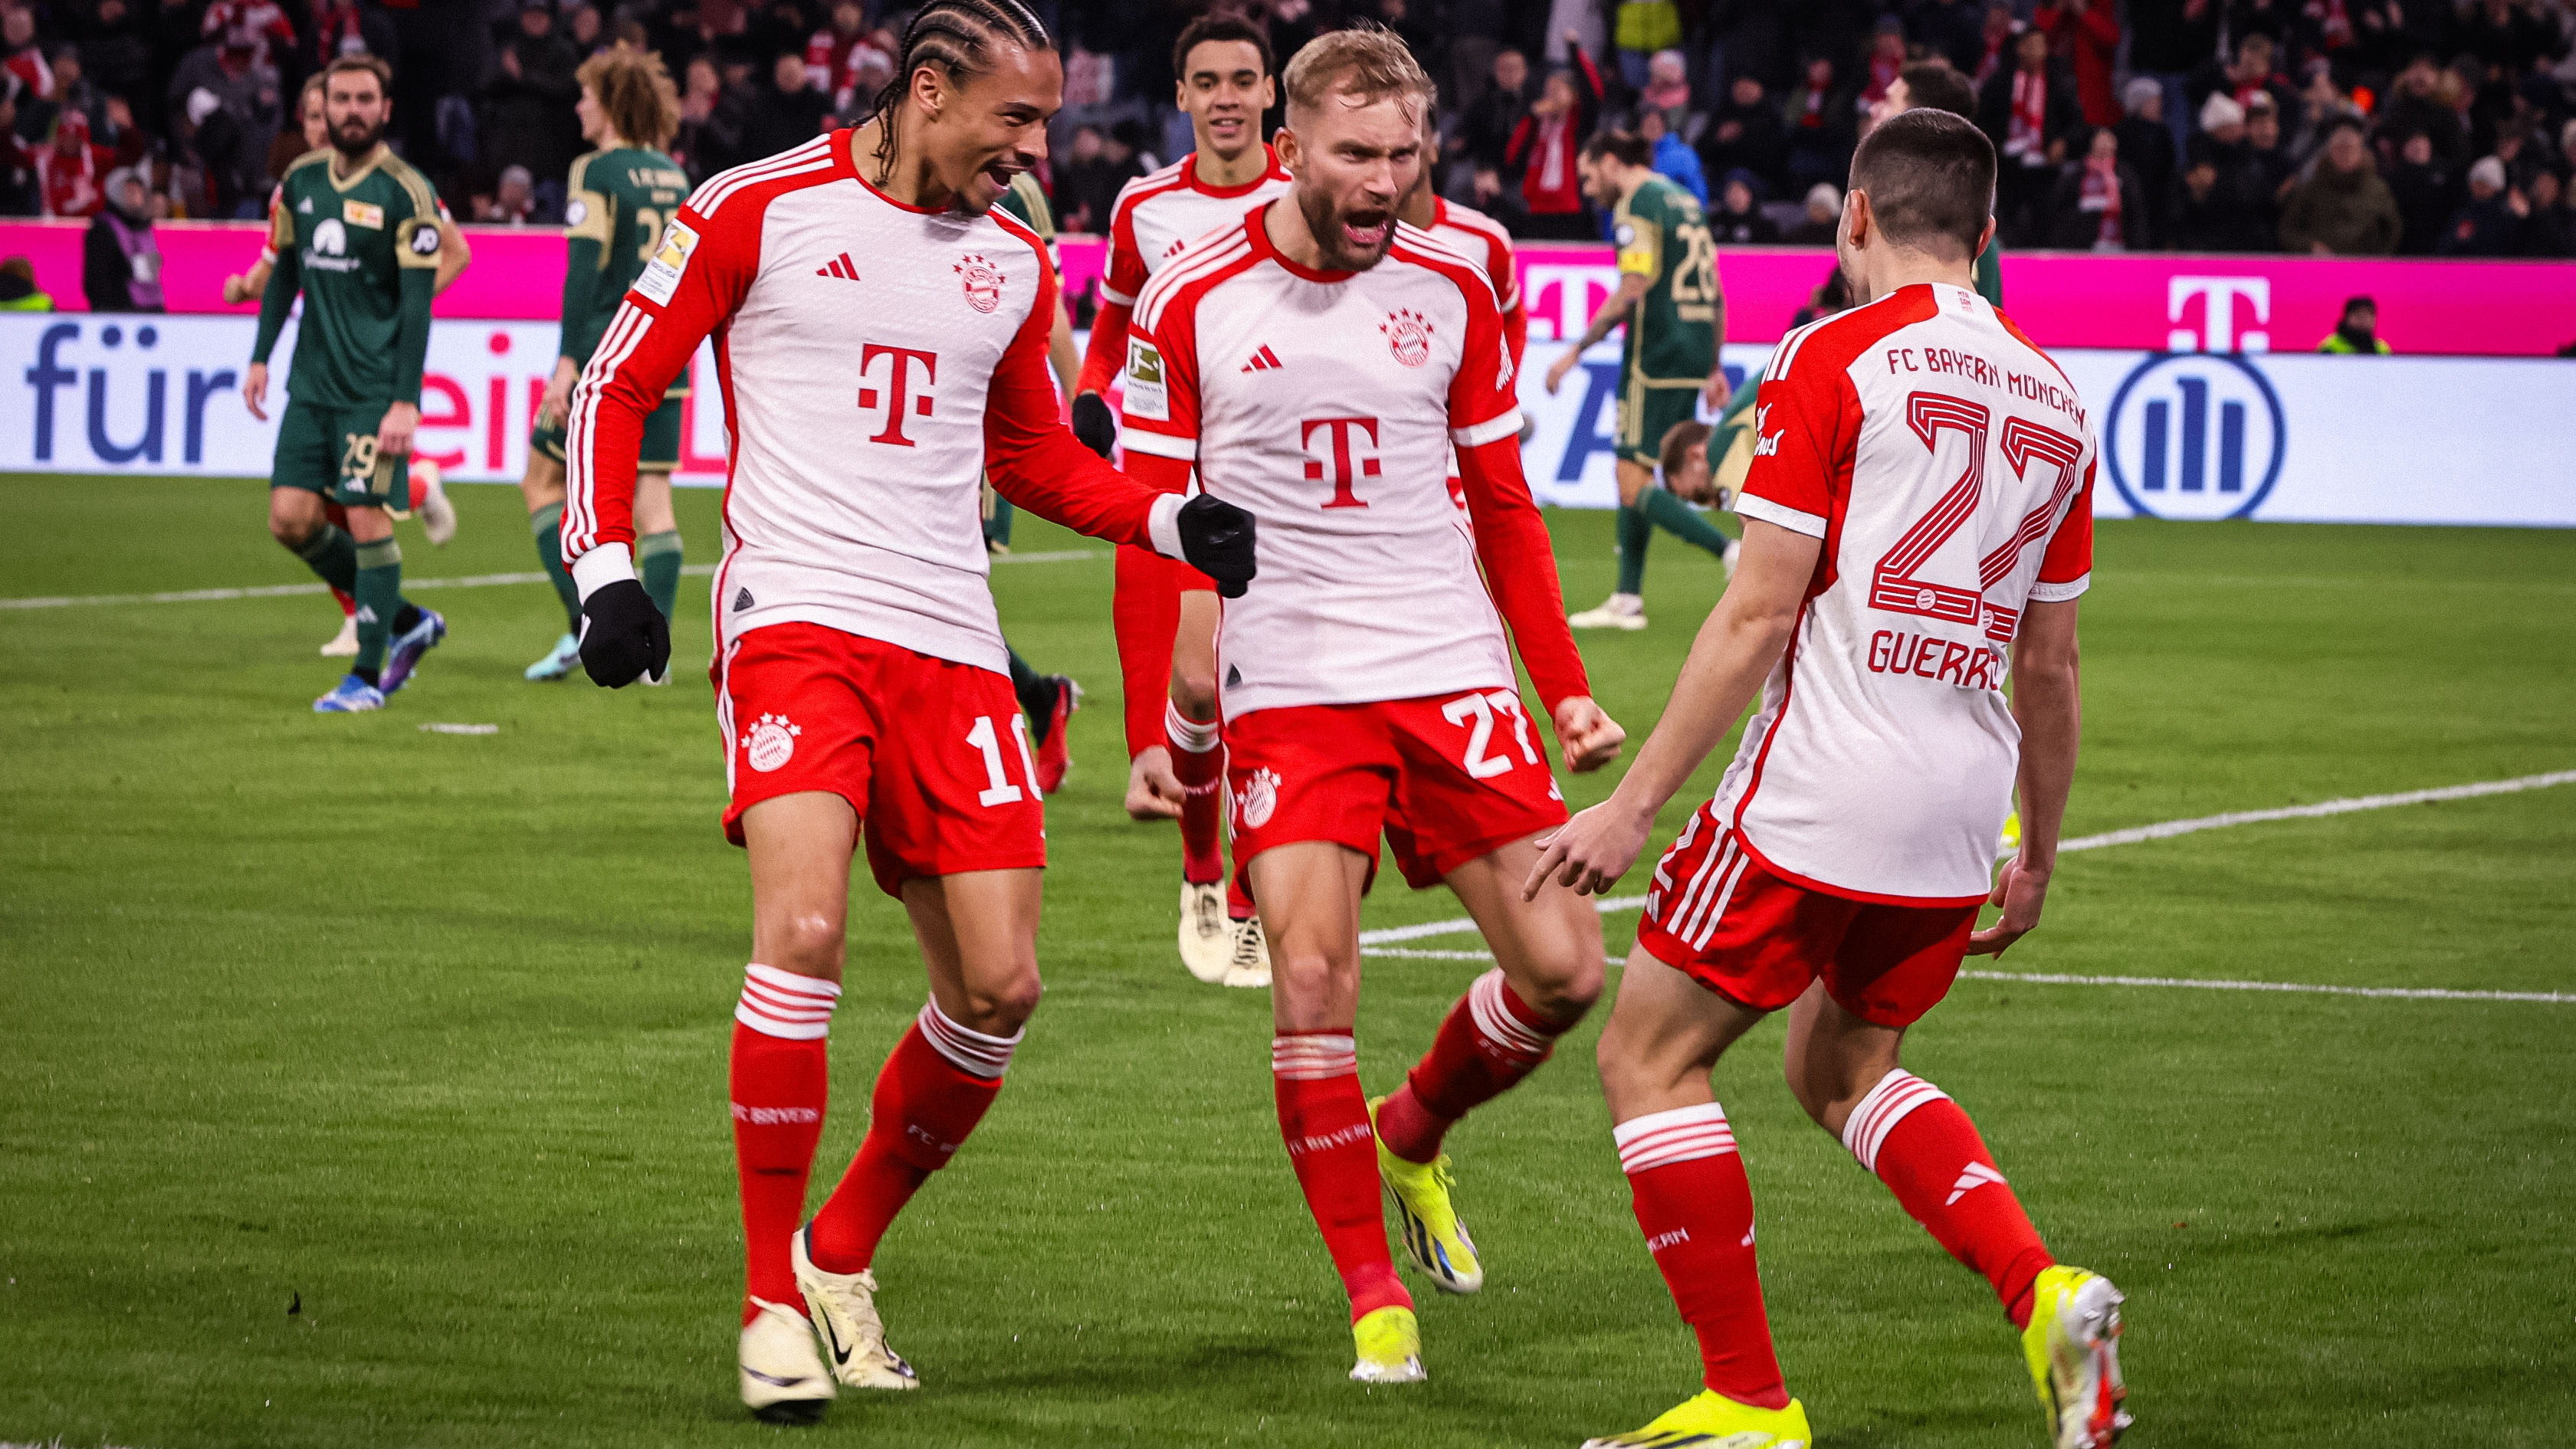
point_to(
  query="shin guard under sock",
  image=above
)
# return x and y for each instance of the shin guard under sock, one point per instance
(1323, 1118)
(1696, 1210)
(1489, 1041)
(935, 1086)
(1634, 531)
(779, 1083)
(657, 561)
(333, 557)
(1928, 1153)
(1199, 763)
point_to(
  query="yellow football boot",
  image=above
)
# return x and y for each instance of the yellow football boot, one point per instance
(2073, 1350)
(1714, 1421)
(1434, 1238)
(1390, 1348)
(2011, 843)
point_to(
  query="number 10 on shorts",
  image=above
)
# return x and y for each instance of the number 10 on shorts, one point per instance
(998, 789)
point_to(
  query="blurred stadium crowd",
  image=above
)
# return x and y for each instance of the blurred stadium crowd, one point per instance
(2348, 127)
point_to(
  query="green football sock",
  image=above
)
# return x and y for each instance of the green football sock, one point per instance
(379, 596)
(1634, 530)
(333, 557)
(1680, 520)
(1037, 696)
(997, 529)
(548, 523)
(657, 557)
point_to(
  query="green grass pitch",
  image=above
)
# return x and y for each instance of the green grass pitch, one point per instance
(424, 1036)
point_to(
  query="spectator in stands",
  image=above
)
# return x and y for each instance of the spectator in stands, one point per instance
(1886, 58)
(1995, 42)
(1668, 90)
(2097, 203)
(2550, 229)
(1739, 220)
(71, 170)
(1086, 186)
(710, 135)
(2427, 193)
(2274, 171)
(1953, 30)
(112, 48)
(257, 26)
(2491, 224)
(2147, 149)
(1544, 147)
(512, 203)
(833, 53)
(120, 261)
(1744, 133)
(528, 118)
(2084, 37)
(1824, 217)
(785, 114)
(2027, 112)
(2357, 333)
(23, 57)
(2415, 107)
(1485, 128)
(2238, 79)
(2343, 209)
(1673, 160)
(1821, 124)
(1640, 28)
(232, 143)
(2235, 211)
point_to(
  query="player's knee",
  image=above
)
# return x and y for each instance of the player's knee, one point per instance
(1310, 975)
(291, 529)
(809, 944)
(1566, 997)
(1001, 1006)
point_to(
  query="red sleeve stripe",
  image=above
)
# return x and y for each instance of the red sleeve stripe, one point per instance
(581, 521)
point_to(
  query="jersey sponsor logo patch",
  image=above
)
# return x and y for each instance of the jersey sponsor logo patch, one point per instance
(305, 206)
(770, 743)
(1408, 336)
(1147, 397)
(982, 281)
(363, 213)
(330, 238)
(661, 277)
(424, 240)
(1260, 799)
(576, 211)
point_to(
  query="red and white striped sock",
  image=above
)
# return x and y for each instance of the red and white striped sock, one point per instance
(1696, 1210)
(1928, 1153)
(935, 1086)
(1324, 1120)
(1198, 762)
(1489, 1041)
(779, 1083)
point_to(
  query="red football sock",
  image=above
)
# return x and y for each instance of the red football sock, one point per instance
(348, 606)
(1238, 896)
(1145, 614)
(933, 1089)
(1490, 1040)
(1324, 1120)
(1199, 762)
(1928, 1153)
(779, 1083)
(1696, 1210)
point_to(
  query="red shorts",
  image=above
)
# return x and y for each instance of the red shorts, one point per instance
(1445, 779)
(1715, 914)
(933, 754)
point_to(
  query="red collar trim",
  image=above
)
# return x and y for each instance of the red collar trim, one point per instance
(1256, 225)
(1269, 172)
(845, 152)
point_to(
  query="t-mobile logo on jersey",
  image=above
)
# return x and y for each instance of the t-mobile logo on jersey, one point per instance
(1349, 464)
(899, 387)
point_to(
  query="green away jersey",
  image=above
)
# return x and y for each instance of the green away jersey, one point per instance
(619, 202)
(363, 249)
(1027, 200)
(1672, 334)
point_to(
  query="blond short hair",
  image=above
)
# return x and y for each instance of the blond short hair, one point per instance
(1367, 63)
(636, 92)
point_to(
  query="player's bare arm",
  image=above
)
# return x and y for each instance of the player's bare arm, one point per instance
(1728, 662)
(1632, 286)
(455, 254)
(2047, 703)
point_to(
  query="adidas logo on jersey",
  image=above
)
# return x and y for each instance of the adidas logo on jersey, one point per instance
(1972, 1177)
(305, 207)
(741, 600)
(1263, 361)
(841, 267)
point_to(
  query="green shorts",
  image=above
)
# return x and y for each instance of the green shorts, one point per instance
(1647, 413)
(661, 450)
(332, 451)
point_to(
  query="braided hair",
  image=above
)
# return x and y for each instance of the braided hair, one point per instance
(957, 36)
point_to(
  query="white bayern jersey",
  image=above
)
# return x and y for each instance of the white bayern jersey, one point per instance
(1325, 403)
(875, 358)
(1947, 465)
(1163, 211)
(1482, 240)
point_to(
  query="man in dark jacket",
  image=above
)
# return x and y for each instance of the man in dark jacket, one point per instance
(2344, 209)
(529, 118)
(2147, 149)
(2489, 226)
(786, 113)
(2427, 192)
(2027, 111)
(1744, 133)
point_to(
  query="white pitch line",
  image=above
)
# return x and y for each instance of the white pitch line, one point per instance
(470, 581)
(1381, 942)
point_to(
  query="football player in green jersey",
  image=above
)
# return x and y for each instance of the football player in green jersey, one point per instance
(619, 197)
(356, 232)
(1668, 295)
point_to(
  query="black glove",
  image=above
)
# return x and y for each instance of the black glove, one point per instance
(1216, 538)
(1093, 425)
(623, 635)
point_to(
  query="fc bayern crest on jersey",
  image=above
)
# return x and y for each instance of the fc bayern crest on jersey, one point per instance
(1260, 799)
(983, 282)
(770, 743)
(1408, 336)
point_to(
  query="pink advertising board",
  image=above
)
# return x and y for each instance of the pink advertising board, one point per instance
(2150, 301)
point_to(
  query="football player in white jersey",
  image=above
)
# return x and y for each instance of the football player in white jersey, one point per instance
(882, 348)
(1314, 362)
(1164, 614)
(1920, 502)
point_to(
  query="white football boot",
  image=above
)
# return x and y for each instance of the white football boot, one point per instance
(844, 1308)
(1248, 964)
(1207, 937)
(343, 645)
(1619, 611)
(783, 1378)
(437, 514)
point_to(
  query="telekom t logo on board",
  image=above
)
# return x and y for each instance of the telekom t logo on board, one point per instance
(898, 388)
(1343, 440)
(2218, 297)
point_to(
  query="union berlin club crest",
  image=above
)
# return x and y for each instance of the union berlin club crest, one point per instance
(983, 282)
(1408, 336)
